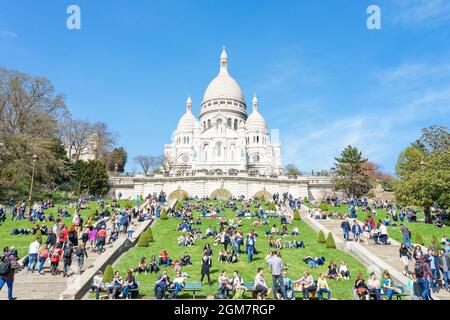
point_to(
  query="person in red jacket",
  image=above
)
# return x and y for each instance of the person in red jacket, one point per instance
(55, 257)
(63, 236)
(101, 239)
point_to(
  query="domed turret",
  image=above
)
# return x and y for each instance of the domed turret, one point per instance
(255, 120)
(188, 120)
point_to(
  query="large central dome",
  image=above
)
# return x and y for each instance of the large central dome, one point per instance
(223, 94)
(223, 86)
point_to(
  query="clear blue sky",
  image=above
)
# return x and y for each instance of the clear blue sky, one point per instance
(321, 76)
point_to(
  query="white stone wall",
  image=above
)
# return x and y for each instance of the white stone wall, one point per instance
(203, 185)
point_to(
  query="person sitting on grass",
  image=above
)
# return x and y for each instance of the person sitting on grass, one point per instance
(164, 258)
(295, 231)
(332, 271)
(182, 241)
(322, 287)
(143, 266)
(343, 271)
(223, 257)
(232, 258)
(185, 260)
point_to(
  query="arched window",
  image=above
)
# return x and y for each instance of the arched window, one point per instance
(219, 149)
(204, 125)
(257, 139)
(229, 122)
(205, 152)
(209, 123)
(235, 124)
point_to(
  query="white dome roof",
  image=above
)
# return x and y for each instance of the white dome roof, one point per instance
(255, 119)
(223, 86)
(188, 120)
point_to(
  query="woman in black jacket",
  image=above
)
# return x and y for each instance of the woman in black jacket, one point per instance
(206, 268)
(405, 256)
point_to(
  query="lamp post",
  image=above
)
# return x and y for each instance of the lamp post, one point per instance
(30, 198)
(116, 168)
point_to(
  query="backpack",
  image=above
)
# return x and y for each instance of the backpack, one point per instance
(68, 252)
(159, 293)
(61, 235)
(5, 268)
(418, 270)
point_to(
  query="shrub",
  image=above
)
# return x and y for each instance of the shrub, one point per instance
(149, 233)
(418, 239)
(143, 240)
(108, 275)
(141, 198)
(178, 206)
(435, 244)
(164, 215)
(330, 242)
(296, 214)
(272, 206)
(324, 207)
(263, 199)
(321, 237)
(305, 199)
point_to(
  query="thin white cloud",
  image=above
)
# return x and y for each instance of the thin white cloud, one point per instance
(8, 34)
(408, 96)
(420, 12)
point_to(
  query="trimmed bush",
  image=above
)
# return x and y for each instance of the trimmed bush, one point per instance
(435, 244)
(321, 237)
(418, 239)
(305, 199)
(143, 240)
(164, 215)
(297, 214)
(330, 242)
(108, 275)
(149, 233)
(178, 206)
(272, 206)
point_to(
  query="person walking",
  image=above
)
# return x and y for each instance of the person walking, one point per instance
(345, 226)
(33, 251)
(406, 234)
(9, 266)
(43, 255)
(276, 265)
(405, 256)
(67, 258)
(444, 264)
(80, 254)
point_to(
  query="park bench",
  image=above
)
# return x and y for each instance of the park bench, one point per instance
(193, 287)
(250, 287)
(134, 293)
(398, 296)
(312, 292)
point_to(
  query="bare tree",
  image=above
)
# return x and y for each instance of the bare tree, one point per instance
(104, 140)
(148, 162)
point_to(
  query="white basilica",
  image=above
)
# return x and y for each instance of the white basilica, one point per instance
(223, 138)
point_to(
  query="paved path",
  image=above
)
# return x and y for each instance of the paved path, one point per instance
(33, 286)
(387, 253)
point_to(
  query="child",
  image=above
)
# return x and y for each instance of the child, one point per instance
(131, 230)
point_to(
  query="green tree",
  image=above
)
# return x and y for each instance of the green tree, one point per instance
(350, 174)
(429, 185)
(149, 233)
(330, 244)
(119, 156)
(409, 161)
(91, 177)
(321, 237)
(292, 170)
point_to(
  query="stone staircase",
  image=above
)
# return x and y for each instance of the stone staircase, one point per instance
(387, 253)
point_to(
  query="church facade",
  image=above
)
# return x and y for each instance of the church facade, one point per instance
(225, 152)
(224, 137)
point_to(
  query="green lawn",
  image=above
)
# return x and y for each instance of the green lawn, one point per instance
(426, 230)
(21, 242)
(166, 238)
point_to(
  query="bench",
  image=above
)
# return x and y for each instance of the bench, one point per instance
(398, 296)
(134, 292)
(193, 287)
(250, 287)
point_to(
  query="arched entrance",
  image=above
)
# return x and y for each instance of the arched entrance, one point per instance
(263, 193)
(178, 194)
(222, 194)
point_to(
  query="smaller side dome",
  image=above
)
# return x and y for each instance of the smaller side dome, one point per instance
(255, 120)
(188, 120)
